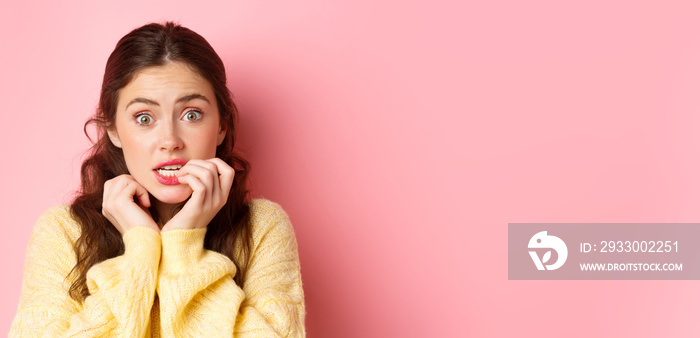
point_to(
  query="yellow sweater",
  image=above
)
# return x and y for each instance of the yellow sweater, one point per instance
(164, 284)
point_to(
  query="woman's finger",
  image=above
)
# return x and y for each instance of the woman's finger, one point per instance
(125, 203)
(141, 195)
(205, 172)
(199, 190)
(226, 175)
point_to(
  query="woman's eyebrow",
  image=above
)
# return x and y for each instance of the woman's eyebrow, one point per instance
(185, 98)
(142, 100)
(193, 97)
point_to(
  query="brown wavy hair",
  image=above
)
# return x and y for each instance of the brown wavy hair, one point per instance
(155, 45)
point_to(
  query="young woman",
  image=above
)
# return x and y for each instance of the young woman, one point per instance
(162, 239)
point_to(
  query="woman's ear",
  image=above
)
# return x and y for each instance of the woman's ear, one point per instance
(114, 137)
(219, 138)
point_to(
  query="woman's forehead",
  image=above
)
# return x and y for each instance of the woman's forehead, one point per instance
(172, 74)
(167, 82)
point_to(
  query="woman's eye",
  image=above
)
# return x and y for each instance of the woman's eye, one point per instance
(144, 119)
(193, 115)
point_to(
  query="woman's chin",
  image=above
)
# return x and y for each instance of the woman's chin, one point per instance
(173, 196)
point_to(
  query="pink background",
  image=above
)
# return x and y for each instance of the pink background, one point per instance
(402, 137)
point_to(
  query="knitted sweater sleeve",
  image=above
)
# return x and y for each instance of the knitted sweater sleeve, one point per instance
(121, 288)
(198, 296)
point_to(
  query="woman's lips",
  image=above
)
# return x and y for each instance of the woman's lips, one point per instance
(167, 180)
(165, 171)
(175, 161)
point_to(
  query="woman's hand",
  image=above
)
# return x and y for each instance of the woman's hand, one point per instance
(210, 181)
(125, 203)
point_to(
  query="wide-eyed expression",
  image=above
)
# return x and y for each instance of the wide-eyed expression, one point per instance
(166, 116)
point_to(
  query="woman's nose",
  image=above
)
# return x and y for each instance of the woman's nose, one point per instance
(169, 138)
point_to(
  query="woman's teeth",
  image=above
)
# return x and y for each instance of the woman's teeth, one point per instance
(169, 170)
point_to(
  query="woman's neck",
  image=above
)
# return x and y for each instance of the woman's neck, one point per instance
(164, 211)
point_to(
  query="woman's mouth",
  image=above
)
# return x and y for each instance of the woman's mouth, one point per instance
(169, 170)
(165, 171)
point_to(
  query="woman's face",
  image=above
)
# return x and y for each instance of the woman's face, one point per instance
(166, 116)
